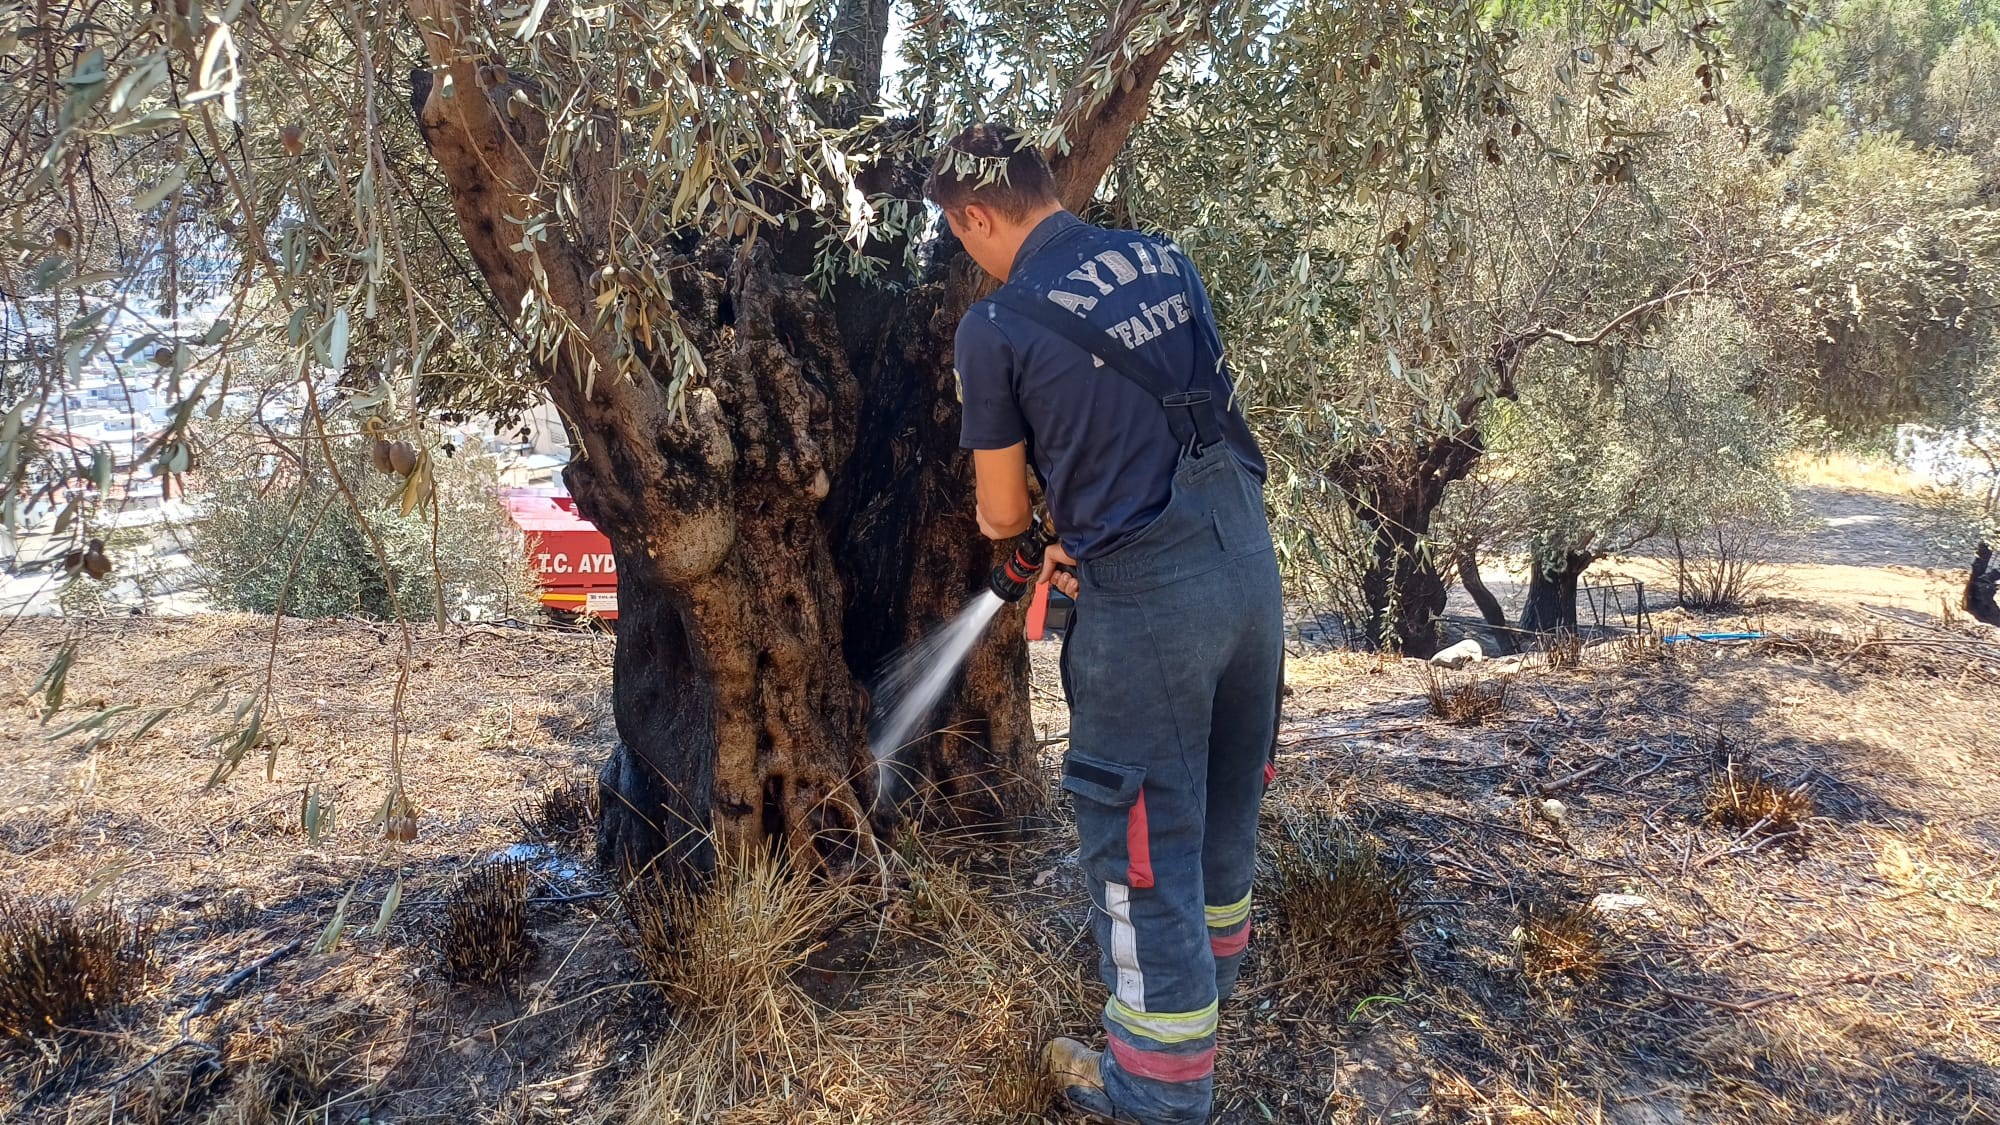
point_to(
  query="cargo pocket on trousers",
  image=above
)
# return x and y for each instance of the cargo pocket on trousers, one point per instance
(1111, 819)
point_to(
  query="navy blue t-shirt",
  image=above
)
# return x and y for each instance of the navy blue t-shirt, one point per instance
(1099, 442)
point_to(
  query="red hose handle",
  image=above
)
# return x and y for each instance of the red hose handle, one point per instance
(1038, 611)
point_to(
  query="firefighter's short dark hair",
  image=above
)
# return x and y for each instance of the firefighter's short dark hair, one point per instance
(995, 165)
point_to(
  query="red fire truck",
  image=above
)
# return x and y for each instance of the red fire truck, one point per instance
(570, 556)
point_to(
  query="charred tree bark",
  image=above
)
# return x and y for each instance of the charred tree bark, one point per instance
(912, 554)
(1551, 601)
(1981, 586)
(735, 714)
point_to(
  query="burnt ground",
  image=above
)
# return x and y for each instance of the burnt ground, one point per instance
(1843, 968)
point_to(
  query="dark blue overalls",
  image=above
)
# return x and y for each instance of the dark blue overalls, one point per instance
(1171, 665)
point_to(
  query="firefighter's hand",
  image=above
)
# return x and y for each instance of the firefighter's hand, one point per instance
(1059, 569)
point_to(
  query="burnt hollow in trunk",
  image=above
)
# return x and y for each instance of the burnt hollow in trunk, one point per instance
(740, 691)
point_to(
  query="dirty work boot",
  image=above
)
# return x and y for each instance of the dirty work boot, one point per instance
(1078, 1073)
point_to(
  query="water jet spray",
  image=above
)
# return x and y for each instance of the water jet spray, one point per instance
(913, 680)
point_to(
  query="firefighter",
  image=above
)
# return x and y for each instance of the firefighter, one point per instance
(1098, 362)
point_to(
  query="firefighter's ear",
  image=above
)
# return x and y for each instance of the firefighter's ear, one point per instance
(974, 222)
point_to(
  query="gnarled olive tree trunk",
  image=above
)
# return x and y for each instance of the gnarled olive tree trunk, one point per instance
(1395, 490)
(803, 515)
(1552, 587)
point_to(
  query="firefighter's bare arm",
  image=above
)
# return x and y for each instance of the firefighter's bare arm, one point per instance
(1001, 487)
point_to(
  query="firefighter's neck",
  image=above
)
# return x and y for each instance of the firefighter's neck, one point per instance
(994, 240)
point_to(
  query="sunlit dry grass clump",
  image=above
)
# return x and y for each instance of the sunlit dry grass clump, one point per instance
(1561, 941)
(285, 1073)
(946, 1030)
(1343, 907)
(62, 964)
(1642, 648)
(484, 937)
(725, 955)
(1468, 699)
(1562, 651)
(1752, 802)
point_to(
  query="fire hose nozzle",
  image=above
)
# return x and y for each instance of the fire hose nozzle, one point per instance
(1012, 578)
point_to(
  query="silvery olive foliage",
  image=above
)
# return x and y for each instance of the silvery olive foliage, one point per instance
(1674, 438)
(1401, 208)
(266, 160)
(1550, 264)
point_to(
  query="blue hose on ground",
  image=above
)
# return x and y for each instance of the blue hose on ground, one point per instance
(1711, 637)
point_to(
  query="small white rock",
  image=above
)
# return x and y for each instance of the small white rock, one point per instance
(1466, 651)
(1609, 903)
(1553, 810)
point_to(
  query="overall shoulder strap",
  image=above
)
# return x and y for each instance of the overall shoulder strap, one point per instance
(1190, 415)
(1079, 332)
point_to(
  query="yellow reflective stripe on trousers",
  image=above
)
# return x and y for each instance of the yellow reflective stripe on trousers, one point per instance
(1224, 917)
(1163, 1027)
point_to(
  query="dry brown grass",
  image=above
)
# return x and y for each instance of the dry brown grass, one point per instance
(265, 1073)
(291, 1073)
(1947, 652)
(725, 957)
(1748, 800)
(1561, 651)
(1851, 471)
(1564, 941)
(1468, 698)
(1840, 985)
(1642, 648)
(1817, 644)
(947, 1032)
(483, 937)
(1343, 907)
(1826, 985)
(565, 816)
(62, 965)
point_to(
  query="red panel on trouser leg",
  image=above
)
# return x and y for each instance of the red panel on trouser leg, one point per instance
(1139, 867)
(1161, 1066)
(1232, 945)
(1270, 773)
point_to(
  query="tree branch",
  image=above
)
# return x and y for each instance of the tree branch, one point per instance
(1544, 332)
(491, 160)
(1109, 97)
(860, 29)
